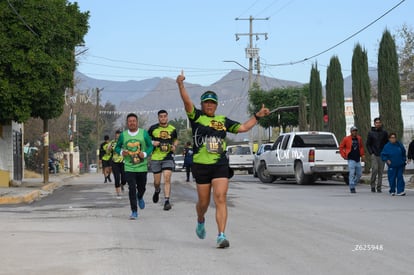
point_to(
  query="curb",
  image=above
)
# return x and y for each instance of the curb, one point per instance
(30, 197)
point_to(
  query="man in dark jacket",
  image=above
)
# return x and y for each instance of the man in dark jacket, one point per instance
(410, 153)
(376, 140)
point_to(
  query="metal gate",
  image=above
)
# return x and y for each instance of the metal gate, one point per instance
(17, 156)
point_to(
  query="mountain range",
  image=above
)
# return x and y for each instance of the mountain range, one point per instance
(146, 97)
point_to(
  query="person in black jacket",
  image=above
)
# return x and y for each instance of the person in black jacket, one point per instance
(410, 152)
(376, 140)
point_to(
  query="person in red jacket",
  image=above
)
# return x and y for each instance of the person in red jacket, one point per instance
(352, 149)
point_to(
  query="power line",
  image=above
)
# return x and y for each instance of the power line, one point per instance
(336, 45)
(21, 19)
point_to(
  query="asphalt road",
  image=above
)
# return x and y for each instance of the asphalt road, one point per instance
(279, 228)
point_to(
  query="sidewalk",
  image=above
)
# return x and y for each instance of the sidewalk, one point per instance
(32, 189)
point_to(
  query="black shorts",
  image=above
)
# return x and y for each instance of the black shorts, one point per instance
(205, 173)
(106, 163)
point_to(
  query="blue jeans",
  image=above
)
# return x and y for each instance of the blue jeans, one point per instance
(355, 173)
(396, 179)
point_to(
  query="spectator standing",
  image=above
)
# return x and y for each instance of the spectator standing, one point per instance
(135, 146)
(188, 159)
(394, 155)
(410, 153)
(376, 140)
(352, 149)
(164, 140)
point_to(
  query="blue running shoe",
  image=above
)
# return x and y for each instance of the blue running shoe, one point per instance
(222, 242)
(134, 215)
(201, 230)
(141, 203)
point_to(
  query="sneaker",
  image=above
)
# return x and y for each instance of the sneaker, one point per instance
(167, 205)
(222, 242)
(353, 190)
(134, 215)
(392, 194)
(201, 230)
(156, 196)
(401, 194)
(141, 203)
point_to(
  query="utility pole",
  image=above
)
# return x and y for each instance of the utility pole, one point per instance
(97, 130)
(251, 52)
(98, 133)
(253, 55)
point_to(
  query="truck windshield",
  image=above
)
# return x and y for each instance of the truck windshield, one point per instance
(317, 141)
(239, 150)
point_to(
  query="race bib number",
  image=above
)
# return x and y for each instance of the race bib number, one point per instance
(164, 147)
(214, 145)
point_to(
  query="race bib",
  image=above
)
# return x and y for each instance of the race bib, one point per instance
(164, 147)
(214, 145)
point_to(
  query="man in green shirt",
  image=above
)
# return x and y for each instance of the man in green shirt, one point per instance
(135, 146)
(164, 139)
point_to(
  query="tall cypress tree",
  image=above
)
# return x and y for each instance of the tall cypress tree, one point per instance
(303, 123)
(361, 94)
(335, 98)
(389, 94)
(315, 100)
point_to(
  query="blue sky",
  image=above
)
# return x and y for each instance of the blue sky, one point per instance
(136, 40)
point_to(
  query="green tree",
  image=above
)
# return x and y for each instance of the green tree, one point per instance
(361, 95)
(276, 98)
(37, 47)
(303, 122)
(406, 59)
(389, 95)
(315, 100)
(335, 98)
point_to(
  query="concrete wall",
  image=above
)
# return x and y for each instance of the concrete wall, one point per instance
(6, 152)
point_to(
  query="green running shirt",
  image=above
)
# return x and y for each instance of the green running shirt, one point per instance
(209, 136)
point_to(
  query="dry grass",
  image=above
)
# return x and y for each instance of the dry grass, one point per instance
(30, 174)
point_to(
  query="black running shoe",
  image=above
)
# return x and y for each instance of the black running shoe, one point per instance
(156, 196)
(167, 205)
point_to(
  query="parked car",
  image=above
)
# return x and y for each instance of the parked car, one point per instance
(305, 156)
(262, 148)
(93, 168)
(240, 157)
(179, 163)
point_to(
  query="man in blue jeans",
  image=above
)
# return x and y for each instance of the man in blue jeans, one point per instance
(352, 149)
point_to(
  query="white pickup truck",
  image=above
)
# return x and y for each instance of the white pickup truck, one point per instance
(306, 156)
(240, 157)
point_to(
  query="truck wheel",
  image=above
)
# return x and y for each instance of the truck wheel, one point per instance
(264, 174)
(300, 176)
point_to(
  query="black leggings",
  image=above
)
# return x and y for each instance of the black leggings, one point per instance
(119, 173)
